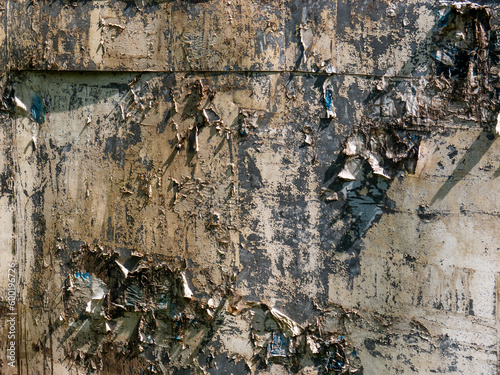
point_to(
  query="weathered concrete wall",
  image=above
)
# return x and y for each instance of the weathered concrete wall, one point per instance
(250, 187)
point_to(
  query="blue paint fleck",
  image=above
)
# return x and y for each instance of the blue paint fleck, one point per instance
(354, 352)
(85, 276)
(37, 109)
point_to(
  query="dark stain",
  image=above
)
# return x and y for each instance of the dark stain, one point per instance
(452, 152)
(410, 260)
(446, 344)
(369, 344)
(252, 176)
(424, 214)
(116, 146)
(438, 305)
(470, 307)
(110, 231)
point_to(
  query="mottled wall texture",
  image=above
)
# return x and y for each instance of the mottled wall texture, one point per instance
(249, 187)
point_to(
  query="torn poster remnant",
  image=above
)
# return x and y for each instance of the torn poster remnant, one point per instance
(140, 304)
(277, 339)
(462, 27)
(387, 151)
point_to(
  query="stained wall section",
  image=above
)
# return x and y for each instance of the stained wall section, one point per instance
(251, 187)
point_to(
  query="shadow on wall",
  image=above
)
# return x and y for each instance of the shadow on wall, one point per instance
(472, 156)
(461, 52)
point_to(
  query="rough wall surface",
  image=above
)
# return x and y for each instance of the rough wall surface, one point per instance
(234, 187)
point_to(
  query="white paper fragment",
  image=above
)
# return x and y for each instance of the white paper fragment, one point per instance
(329, 67)
(355, 145)
(388, 109)
(497, 128)
(329, 194)
(98, 292)
(196, 143)
(211, 116)
(71, 286)
(375, 160)
(411, 103)
(313, 345)
(308, 132)
(332, 197)
(288, 326)
(444, 58)
(187, 292)
(99, 289)
(122, 268)
(351, 170)
(307, 40)
(382, 85)
(19, 105)
(391, 10)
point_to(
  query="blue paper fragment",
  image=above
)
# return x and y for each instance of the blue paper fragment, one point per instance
(85, 276)
(328, 94)
(37, 109)
(278, 346)
(329, 99)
